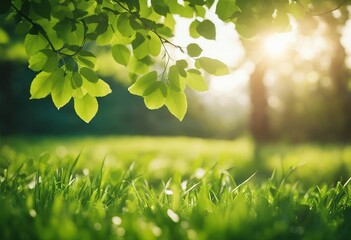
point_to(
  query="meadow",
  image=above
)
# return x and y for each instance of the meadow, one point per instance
(172, 188)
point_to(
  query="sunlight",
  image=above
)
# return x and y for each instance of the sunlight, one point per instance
(226, 48)
(276, 45)
(224, 91)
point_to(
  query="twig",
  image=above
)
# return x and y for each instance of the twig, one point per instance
(162, 39)
(45, 35)
(37, 26)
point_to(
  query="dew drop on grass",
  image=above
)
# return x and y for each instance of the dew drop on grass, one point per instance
(34, 182)
(32, 213)
(116, 220)
(200, 172)
(168, 192)
(86, 172)
(173, 216)
(31, 185)
(184, 185)
(125, 209)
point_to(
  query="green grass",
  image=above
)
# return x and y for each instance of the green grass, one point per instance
(172, 188)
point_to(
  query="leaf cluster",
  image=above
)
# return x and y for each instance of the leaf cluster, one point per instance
(58, 35)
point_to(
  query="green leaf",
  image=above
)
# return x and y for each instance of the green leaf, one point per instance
(192, 29)
(195, 81)
(70, 31)
(79, 92)
(62, 91)
(184, 11)
(42, 83)
(133, 4)
(212, 66)
(71, 64)
(143, 83)
(154, 44)
(138, 66)
(77, 80)
(89, 74)
(40, 86)
(165, 31)
(121, 54)
(140, 47)
(200, 11)
(98, 89)
(22, 27)
(103, 24)
(175, 80)
(209, 3)
(86, 59)
(86, 107)
(105, 38)
(194, 50)
(136, 24)
(34, 43)
(48, 27)
(155, 95)
(181, 65)
(42, 8)
(226, 9)
(123, 25)
(169, 21)
(46, 60)
(207, 29)
(176, 103)
(160, 7)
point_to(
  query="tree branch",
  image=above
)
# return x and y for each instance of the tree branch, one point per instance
(162, 39)
(45, 35)
(37, 26)
(321, 13)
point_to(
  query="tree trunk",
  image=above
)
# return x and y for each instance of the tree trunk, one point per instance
(259, 116)
(340, 75)
(6, 112)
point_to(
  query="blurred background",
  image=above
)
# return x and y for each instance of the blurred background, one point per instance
(292, 86)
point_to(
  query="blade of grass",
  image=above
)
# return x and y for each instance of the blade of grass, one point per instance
(244, 182)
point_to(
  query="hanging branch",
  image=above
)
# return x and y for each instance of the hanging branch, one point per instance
(41, 30)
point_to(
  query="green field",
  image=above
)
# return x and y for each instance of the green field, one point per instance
(172, 188)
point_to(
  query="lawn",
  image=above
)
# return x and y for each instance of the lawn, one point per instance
(172, 188)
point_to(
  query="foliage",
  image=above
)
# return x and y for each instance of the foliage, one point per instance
(149, 194)
(58, 37)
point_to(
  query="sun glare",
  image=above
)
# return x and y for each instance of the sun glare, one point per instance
(226, 48)
(277, 45)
